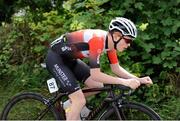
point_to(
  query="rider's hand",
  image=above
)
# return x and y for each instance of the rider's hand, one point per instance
(132, 83)
(145, 80)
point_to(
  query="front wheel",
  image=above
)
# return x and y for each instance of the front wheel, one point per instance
(29, 106)
(131, 111)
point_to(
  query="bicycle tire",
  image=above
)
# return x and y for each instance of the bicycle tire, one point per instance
(28, 97)
(109, 113)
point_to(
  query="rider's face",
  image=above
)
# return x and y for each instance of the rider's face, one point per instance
(124, 42)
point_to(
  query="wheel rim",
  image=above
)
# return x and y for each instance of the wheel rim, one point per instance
(28, 109)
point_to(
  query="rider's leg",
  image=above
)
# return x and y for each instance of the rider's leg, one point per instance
(82, 72)
(66, 79)
(77, 102)
(90, 83)
(93, 84)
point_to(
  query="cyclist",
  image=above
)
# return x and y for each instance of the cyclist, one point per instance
(63, 61)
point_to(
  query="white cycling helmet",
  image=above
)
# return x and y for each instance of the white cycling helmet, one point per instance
(124, 25)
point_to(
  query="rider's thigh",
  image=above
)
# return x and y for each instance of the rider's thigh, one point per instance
(61, 72)
(92, 83)
(81, 70)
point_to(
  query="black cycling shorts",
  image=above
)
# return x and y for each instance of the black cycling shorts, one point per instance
(67, 71)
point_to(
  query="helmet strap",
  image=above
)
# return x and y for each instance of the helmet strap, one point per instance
(115, 42)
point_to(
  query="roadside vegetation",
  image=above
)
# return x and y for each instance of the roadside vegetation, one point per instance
(24, 42)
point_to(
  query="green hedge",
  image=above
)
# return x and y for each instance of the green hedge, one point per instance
(156, 51)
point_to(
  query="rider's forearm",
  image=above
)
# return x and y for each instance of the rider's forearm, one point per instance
(107, 79)
(121, 72)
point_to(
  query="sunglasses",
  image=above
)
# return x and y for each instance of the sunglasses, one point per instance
(128, 41)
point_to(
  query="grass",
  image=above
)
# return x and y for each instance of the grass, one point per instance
(10, 90)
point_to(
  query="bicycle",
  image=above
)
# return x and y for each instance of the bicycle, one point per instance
(113, 107)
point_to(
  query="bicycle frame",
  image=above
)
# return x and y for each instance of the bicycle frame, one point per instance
(110, 88)
(111, 99)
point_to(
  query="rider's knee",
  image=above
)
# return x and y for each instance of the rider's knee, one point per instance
(100, 85)
(82, 101)
(78, 99)
(93, 84)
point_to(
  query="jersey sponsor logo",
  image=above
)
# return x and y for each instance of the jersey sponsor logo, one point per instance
(64, 48)
(61, 73)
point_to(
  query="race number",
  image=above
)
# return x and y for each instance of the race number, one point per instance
(52, 85)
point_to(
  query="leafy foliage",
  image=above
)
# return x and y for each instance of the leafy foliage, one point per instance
(156, 51)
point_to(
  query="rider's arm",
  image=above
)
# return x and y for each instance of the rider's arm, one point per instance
(98, 76)
(121, 72)
(116, 68)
